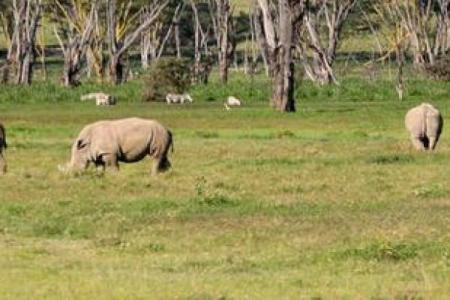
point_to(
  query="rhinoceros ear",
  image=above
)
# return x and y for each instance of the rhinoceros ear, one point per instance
(81, 144)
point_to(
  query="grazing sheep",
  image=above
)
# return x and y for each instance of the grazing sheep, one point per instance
(175, 98)
(106, 143)
(424, 123)
(233, 101)
(2, 147)
(100, 99)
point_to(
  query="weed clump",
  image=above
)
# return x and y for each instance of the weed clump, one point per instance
(382, 251)
(207, 198)
(391, 159)
(169, 75)
(431, 192)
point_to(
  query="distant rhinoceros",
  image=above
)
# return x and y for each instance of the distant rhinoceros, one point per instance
(2, 148)
(424, 123)
(106, 143)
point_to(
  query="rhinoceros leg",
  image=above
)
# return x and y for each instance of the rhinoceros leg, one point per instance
(110, 161)
(155, 166)
(432, 142)
(160, 164)
(418, 143)
(2, 164)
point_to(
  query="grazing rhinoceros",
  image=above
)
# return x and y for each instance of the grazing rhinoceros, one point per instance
(106, 143)
(2, 148)
(424, 123)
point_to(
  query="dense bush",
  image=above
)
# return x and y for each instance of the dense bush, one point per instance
(440, 70)
(169, 75)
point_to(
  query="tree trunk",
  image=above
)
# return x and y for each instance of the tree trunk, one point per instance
(400, 63)
(177, 38)
(118, 48)
(68, 76)
(116, 69)
(145, 41)
(197, 53)
(27, 67)
(283, 86)
(223, 18)
(223, 66)
(20, 57)
(26, 64)
(259, 36)
(278, 41)
(77, 43)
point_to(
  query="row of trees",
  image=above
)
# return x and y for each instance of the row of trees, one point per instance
(96, 36)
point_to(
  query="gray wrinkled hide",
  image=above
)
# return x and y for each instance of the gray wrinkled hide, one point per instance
(424, 123)
(2, 148)
(106, 143)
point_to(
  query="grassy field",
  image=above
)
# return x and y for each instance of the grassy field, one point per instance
(330, 202)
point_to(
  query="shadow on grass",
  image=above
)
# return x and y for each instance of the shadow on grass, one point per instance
(392, 251)
(387, 159)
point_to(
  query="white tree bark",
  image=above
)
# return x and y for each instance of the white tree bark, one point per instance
(221, 17)
(119, 46)
(78, 33)
(20, 57)
(279, 37)
(323, 43)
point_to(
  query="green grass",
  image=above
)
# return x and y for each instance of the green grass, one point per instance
(330, 202)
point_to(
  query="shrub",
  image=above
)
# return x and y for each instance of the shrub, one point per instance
(169, 75)
(440, 70)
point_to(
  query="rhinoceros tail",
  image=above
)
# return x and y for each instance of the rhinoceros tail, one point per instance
(3, 137)
(170, 141)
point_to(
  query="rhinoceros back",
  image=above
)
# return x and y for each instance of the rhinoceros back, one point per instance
(138, 137)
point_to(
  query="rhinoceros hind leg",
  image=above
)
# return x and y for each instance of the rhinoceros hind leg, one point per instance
(2, 164)
(418, 143)
(160, 164)
(155, 166)
(433, 142)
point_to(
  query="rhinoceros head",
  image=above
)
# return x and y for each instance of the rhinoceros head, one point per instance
(80, 155)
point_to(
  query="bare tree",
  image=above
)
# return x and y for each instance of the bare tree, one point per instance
(6, 20)
(280, 24)
(221, 17)
(154, 40)
(77, 29)
(197, 41)
(150, 39)
(425, 22)
(7, 27)
(21, 54)
(176, 35)
(95, 52)
(40, 49)
(324, 21)
(258, 33)
(397, 42)
(118, 44)
(202, 54)
(252, 51)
